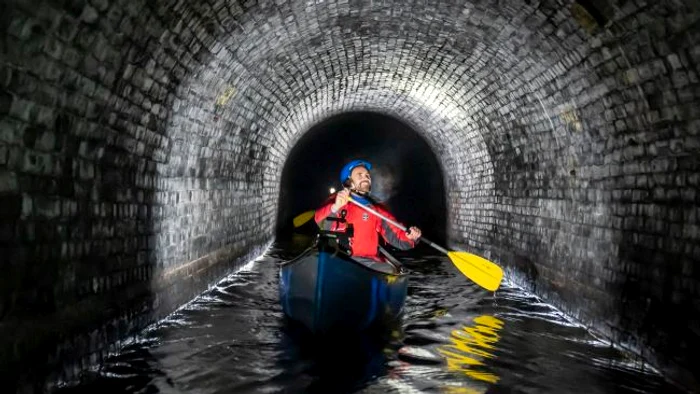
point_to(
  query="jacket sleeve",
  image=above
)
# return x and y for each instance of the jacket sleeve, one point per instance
(392, 234)
(323, 212)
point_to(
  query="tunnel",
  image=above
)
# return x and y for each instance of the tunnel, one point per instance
(407, 176)
(144, 144)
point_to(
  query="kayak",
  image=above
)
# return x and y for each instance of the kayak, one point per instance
(327, 290)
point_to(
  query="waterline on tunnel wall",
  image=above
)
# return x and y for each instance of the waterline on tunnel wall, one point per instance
(234, 338)
(250, 259)
(601, 251)
(259, 253)
(636, 357)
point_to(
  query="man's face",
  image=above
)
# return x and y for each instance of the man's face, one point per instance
(361, 180)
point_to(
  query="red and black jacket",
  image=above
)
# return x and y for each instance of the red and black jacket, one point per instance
(365, 241)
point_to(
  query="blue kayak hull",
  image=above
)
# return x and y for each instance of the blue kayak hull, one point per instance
(328, 291)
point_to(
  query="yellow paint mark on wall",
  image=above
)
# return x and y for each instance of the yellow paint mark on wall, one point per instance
(226, 96)
(570, 117)
(584, 18)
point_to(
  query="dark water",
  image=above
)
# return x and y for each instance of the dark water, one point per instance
(454, 338)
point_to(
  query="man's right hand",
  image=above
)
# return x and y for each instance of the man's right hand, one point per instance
(341, 199)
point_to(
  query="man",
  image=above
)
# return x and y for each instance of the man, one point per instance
(355, 176)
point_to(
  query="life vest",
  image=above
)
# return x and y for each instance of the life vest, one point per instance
(367, 227)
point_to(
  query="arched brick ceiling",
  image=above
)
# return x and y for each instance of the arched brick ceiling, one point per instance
(154, 133)
(461, 73)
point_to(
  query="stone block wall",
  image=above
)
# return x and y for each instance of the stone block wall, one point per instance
(596, 162)
(142, 142)
(108, 223)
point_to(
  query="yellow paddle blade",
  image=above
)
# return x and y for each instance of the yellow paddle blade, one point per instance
(303, 218)
(483, 272)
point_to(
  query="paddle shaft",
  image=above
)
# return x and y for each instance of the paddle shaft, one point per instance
(483, 272)
(399, 225)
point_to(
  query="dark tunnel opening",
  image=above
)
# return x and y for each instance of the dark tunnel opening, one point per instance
(406, 174)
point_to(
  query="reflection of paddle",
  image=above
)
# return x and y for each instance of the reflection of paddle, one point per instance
(481, 271)
(299, 220)
(471, 345)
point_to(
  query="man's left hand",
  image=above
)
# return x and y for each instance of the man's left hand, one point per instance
(413, 233)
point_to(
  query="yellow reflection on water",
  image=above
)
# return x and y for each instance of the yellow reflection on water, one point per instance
(461, 390)
(470, 347)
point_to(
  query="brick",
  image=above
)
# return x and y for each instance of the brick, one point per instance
(5, 102)
(8, 182)
(172, 125)
(89, 15)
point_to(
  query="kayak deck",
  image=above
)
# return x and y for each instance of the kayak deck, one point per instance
(327, 290)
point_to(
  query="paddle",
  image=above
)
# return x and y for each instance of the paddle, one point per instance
(481, 271)
(299, 220)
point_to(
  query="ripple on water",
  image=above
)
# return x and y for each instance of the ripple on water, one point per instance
(454, 338)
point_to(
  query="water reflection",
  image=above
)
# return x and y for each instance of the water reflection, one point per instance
(337, 364)
(471, 345)
(454, 338)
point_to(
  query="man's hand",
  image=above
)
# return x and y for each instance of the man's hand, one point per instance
(341, 199)
(413, 233)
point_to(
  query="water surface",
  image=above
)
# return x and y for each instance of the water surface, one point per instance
(454, 338)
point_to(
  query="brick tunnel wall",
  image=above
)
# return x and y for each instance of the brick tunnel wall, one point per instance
(141, 145)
